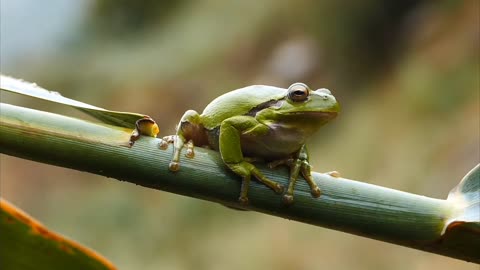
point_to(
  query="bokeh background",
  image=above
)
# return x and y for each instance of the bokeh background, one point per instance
(405, 72)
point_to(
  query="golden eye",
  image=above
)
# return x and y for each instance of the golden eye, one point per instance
(298, 92)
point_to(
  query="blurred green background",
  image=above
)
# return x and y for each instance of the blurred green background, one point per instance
(405, 72)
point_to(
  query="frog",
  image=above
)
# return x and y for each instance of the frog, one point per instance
(258, 123)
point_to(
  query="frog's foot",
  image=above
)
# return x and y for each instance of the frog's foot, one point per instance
(163, 144)
(307, 174)
(287, 199)
(190, 153)
(178, 144)
(297, 166)
(174, 166)
(243, 199)
(246, 170)
(165, 141)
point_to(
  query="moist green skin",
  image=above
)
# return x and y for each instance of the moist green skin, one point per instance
(258, 123)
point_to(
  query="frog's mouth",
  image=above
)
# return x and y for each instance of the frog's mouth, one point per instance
(316, 115)
(308, 119)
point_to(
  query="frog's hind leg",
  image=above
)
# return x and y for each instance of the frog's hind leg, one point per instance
(231, 151)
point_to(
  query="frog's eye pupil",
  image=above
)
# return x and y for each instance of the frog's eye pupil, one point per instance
(298, 92)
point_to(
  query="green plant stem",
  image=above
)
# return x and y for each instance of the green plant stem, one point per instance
(346, 205)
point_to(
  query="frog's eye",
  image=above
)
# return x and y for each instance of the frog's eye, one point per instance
(298, 92)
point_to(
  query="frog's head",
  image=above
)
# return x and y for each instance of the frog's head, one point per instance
(301, 99)
(301, 108)
(302, 104)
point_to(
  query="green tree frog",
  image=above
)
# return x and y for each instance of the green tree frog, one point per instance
(255, 123)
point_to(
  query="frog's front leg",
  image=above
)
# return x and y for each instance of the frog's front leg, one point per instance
(187, 129)
(298, 165)
(230, 148)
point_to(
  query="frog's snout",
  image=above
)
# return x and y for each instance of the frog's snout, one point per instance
(335, 106)
(326, 95)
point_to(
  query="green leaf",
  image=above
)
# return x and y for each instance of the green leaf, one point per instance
(27, 244)
(122, 119)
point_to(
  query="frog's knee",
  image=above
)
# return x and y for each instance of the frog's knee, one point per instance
(241, 168)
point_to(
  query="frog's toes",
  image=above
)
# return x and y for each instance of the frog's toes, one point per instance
(174, 166)
(163, 145)
(165, 141)
(243, 200)
(315, 192)
(278, 188)
(189, 153)
(287, 199)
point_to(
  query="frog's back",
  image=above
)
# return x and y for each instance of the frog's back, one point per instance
(238, 102)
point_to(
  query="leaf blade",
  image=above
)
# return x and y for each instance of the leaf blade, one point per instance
(122, 119)
(27, 244)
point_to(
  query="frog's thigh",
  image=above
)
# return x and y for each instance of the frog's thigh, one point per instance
(230, 131)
